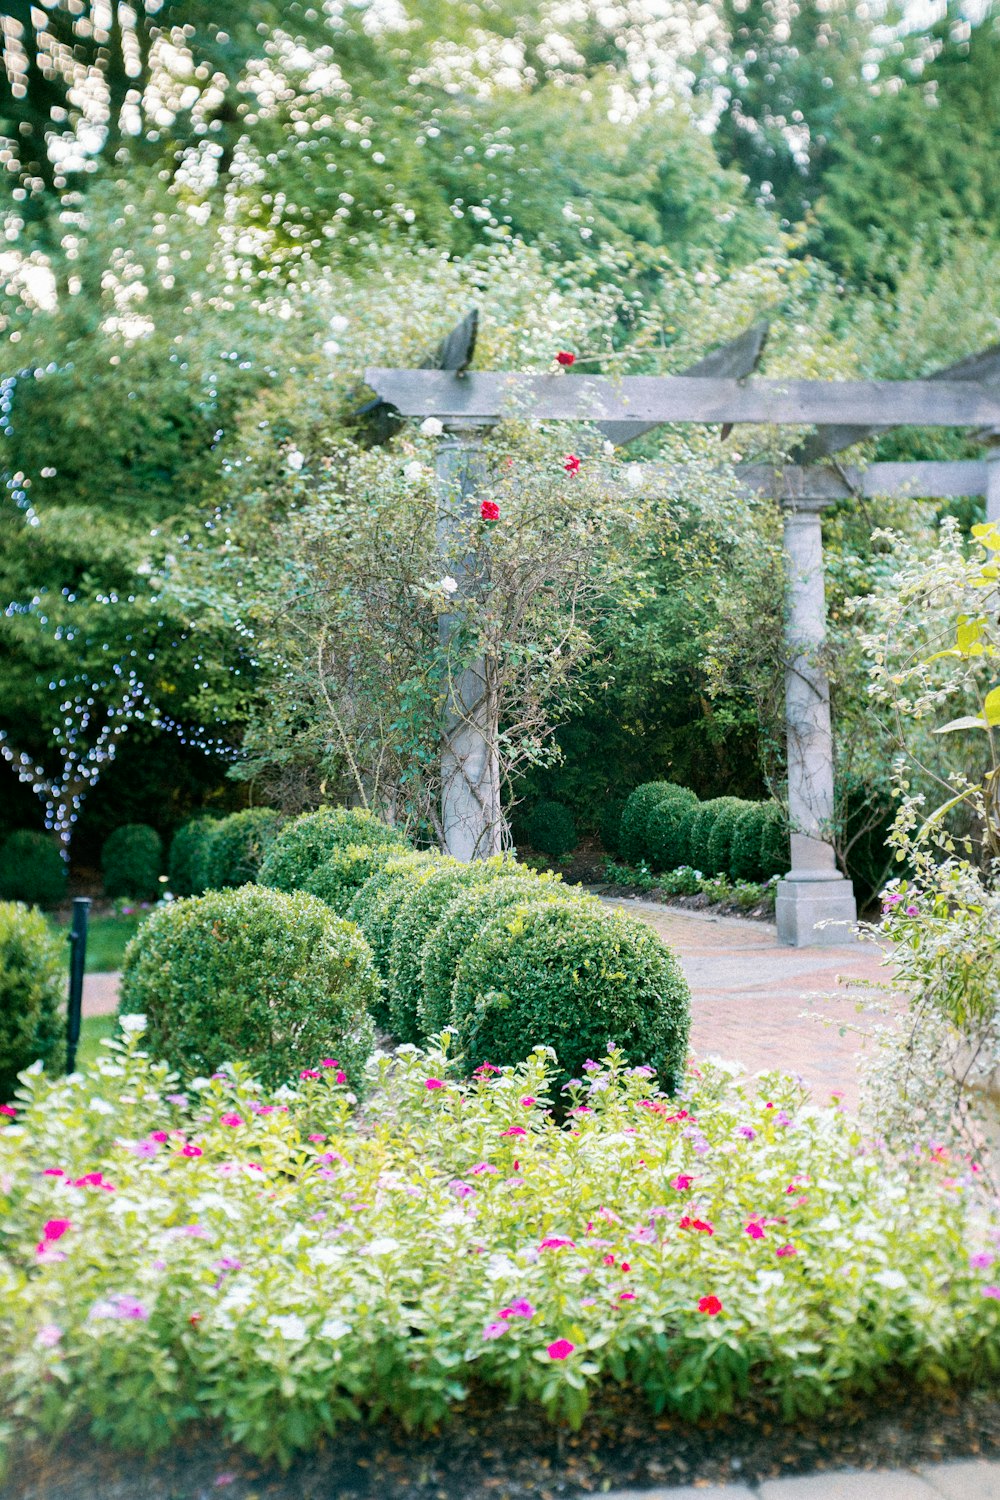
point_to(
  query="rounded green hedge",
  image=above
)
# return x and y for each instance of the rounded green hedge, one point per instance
(611, 824)
(131, 860)
(237, 846)
(461, 921)
(307, 841)
(550, 828)
(271, 978)
(32, 869)
(573, 976)
(33, 965)
(698, 832)
(416, 918)
(633, 836)
(665, 824)
(747, 858)
(374, 911)
(338, 879)
(186, 862)
(720, 840)
(775, 856)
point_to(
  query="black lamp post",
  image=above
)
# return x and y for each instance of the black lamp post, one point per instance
(77, 959)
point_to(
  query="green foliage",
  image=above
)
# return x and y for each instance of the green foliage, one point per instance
(32, 991)
(131, 860)
(236, 847)
(698, 833)
(634, 835)
(429, 895)
(187, 865)
(308, 841)
(759, 826)
(461, 922)
(339, 879)
(720, 840)
(32, 869)
(665, 829)
(270, 978)
(774, 850)
(611, 822)
(549, 828)
(570, 975)
(376, 905)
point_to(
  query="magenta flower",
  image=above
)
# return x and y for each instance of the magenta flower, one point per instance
(329, 1062)
(54, 1230)
(433, 1083)
(316, 1139)
(783, 1250)
(189, 1150)
(626, 1296)
(231, 1120)
(747, 1132)
(9, 1111)
(159, 1135)
(461, 1189)
(755, 1230)
(522, 1308)
(561, 1349)
(992, 1291)
(482, 1167)
(557, 1244)
(341, 1077)
(494, 1330)
(681, 1184)
(53, 1172)
(528, 1101)
(781, 1119)
(514, 1130)
(309, 1073)
(981, 1260)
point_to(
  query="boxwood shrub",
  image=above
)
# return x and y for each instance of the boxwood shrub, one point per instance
(775, 858)
(573, 976)
(309, 840)
(32, 869)
(720, 839)
(338, 879)
(611, 824)
(131, 860)
(698, 832)
(416, 918)
(236, 847)
(665, 838)
(461, 921)
(271, 978)
(32, 989)
(634, 833)
(187, 862)
(374, 911)
(550, 828)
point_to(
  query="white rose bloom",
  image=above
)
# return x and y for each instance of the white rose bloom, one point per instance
(431, 427)
(413, 472)
(290, 1326)
(448, 585)
(633, 476)
(609, 448)
(331, 347)
(338, 323)
(295, 459)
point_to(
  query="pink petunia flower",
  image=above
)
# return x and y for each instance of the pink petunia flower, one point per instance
(433, 1083)
(626, 1296)
(783, 1250)
(561, 1349)
(681, 1184)
(528, 1101)
(482, 1168)
(992, 1291)
(754, 1229)
(316, 1139)
(514, 1130)
(53, 1172)
(189, 1150)
(233, 1121)
(981, 1260)
(309, 1073)
(521, 1308)
(329, 1062)
(9, 1111)
(555, 1243)
(710, 1305)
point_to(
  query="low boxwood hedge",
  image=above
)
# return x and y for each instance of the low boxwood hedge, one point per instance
(720, 839)
(236, 847)
(187, 863)
(32, 992)
(550, 828)
(307, 841)
(573, 976)
(130, 862)
(461, 921)
(271, 978)
(32, 869)
(633, 835)
(339, 878)
(665, 829)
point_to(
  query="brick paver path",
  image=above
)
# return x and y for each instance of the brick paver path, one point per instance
(100, 994)
(968, 1480)
(748, 993)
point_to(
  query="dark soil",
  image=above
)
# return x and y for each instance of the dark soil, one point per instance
(491, 1450)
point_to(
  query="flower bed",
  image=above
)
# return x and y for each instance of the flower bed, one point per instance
(283, 1264)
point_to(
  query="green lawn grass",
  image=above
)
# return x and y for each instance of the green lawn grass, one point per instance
(92, 1030)
(106, 940)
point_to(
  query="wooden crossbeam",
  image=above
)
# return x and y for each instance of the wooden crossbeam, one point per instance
(684, 398)
(930, 479)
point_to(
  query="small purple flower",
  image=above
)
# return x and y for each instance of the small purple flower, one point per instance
(194, 1231)
(126, 1309)
(782, 1119)
(747, 1132)
(229, 1263)
(179, 1099)
(645, 1236)
(48, 1335)
(911, 911)
(460, 1189)
(494, 1330)
(992, 1291)
(981, 1260)
(145, 1148)
(590, 1066)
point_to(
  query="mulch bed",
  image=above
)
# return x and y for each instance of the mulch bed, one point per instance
(491, 1450)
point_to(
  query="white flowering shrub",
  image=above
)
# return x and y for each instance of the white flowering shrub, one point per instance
(283, 1263)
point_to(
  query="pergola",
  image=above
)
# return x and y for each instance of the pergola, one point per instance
(717, 390)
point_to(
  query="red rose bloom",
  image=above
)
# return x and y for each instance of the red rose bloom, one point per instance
(565, 358)
(572, 464)
(710, 1305)
(489, 510)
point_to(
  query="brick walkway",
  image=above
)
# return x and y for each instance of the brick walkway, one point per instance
(100, 994)
(748, 994)
(972, 1480)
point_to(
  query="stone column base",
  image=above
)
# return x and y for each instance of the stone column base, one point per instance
(800, 904)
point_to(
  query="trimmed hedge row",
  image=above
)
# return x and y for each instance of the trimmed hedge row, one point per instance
(666, 826)
(32, 988)
(31, 869)
(504, 958)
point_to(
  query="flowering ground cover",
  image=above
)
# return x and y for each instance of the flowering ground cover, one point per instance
(284, 1264)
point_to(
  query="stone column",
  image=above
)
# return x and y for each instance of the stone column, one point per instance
(813, 890)
(471, 811)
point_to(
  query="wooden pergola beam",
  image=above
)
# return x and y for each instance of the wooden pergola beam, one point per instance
(685, 398)
(930, 479)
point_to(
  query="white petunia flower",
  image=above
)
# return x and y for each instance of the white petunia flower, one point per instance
(289, 1325)
(431, 427)
(134, 1023)
(334, 1328)
(891, 1280)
